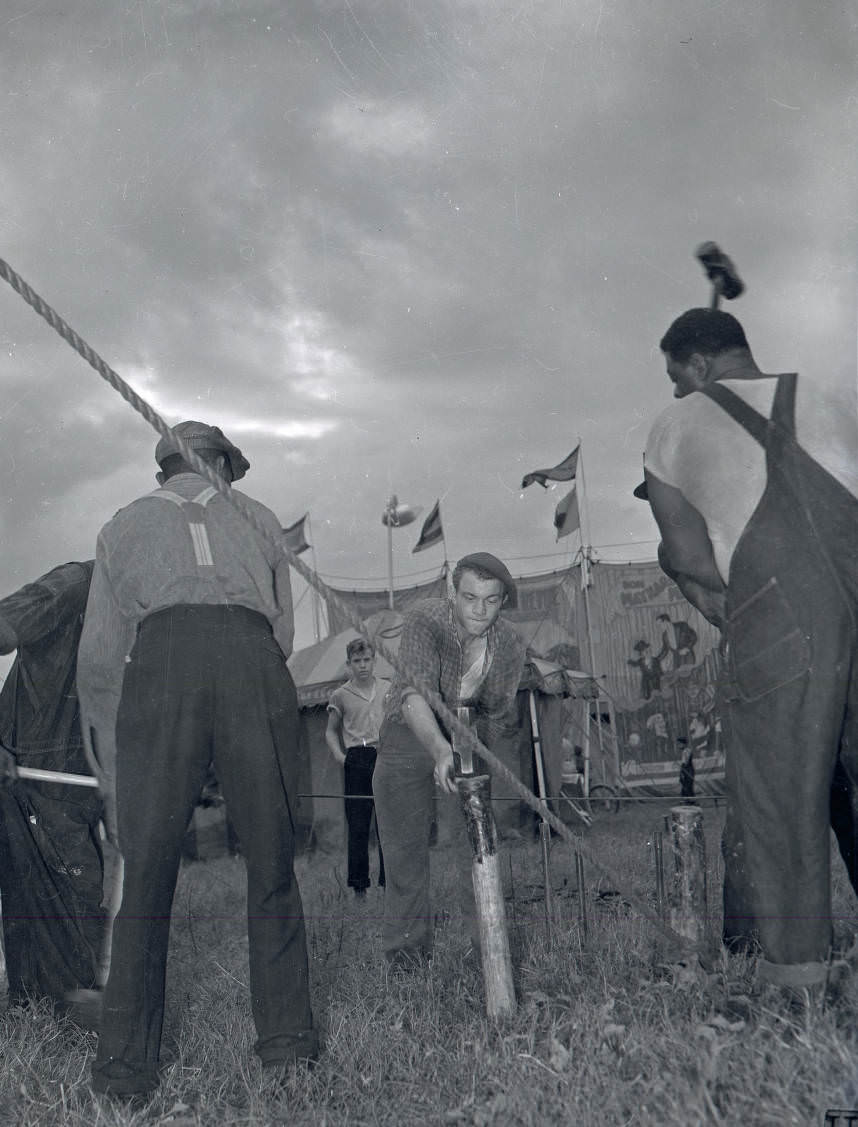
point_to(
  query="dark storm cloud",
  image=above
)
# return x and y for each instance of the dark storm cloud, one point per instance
(404, 246)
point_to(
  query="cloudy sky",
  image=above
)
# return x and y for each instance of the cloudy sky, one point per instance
(414, 246)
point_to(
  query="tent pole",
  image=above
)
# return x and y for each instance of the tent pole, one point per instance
(544, 828)
(316, 630)
(585, 579)
(585, 587)
(391, 505)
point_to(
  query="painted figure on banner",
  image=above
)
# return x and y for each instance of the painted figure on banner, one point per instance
(649, 666)
(678, 640)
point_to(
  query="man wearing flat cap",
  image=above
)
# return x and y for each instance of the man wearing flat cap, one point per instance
(182, 666)
(461, 649)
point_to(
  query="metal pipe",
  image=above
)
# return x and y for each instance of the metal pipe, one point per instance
(41, 775)
(658, 851)
(582, 898)
(544, 828)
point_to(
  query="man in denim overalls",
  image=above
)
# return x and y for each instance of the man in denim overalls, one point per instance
(753, 480)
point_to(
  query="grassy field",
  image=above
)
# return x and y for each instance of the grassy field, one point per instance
(608, 1030)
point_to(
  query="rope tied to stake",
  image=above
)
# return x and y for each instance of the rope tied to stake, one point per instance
(432, 697)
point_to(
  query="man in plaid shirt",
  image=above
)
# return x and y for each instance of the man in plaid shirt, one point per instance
(461, 649)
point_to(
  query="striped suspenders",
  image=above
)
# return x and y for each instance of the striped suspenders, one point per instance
(194, 512)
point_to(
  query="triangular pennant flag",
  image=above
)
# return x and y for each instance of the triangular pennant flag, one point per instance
(432, 530)
(566, 518)
(293, 536)
(563, 471)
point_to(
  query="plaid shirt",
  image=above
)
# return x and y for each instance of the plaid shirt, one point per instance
(431, 650)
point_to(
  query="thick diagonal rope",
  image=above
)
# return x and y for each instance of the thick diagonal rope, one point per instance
(411, 677)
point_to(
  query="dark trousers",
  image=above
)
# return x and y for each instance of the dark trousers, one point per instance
(405, 803)
(359, 766)
(51, 883)
(204, 684)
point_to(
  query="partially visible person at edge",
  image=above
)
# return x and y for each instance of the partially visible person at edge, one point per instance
(753, 480)
(354, 716)
(460, 648)
(183, 655)
(51, 861)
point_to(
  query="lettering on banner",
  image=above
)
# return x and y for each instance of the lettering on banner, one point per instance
(636, 593)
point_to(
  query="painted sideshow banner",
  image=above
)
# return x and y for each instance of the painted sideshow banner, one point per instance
(545, 617)
(657, 659)
(370, 601)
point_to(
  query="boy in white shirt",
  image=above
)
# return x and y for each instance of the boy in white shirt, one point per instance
(355, 712)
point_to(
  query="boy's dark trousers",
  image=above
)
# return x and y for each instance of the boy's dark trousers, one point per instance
(359, 766)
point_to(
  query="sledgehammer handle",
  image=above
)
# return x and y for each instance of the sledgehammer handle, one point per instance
(40, 775)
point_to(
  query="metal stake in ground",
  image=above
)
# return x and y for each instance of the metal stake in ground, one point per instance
(688, 889)
(582, 896)
(544, 828)
(658, 852)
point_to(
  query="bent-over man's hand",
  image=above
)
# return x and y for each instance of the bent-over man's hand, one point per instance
(711, 604)
(445, 772)
(8, 767)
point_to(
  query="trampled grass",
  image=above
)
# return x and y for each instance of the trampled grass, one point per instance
(609, 1030)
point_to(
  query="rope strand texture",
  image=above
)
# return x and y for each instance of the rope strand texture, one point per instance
(433, 698)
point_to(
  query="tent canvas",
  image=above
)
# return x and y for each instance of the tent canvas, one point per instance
(318, 669)
(654, 656)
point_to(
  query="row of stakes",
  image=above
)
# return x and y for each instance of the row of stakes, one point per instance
(683, 907)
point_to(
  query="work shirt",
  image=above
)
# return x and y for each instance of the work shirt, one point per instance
(431, 651)
(359, 715)
(38, 702)
(149, 558)
(50, 859)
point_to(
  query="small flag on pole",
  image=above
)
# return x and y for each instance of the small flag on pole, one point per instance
(563, 471)
(294, 536)
(566, 518)
(432, 530)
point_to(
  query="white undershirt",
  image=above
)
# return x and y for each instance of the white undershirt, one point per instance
(695, 446)
(472, 678)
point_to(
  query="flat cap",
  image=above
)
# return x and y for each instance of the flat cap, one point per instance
(202, 436)
(485, 561)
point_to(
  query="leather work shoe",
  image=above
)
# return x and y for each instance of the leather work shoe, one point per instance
(275, 1073)
(120, 1081)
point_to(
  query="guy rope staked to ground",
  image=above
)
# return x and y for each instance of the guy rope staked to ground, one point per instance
(621, 1011)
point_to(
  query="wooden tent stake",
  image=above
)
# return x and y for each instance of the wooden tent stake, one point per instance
(488, 894)
(688, 890)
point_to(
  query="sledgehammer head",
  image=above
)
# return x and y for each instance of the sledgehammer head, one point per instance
(720, 271)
